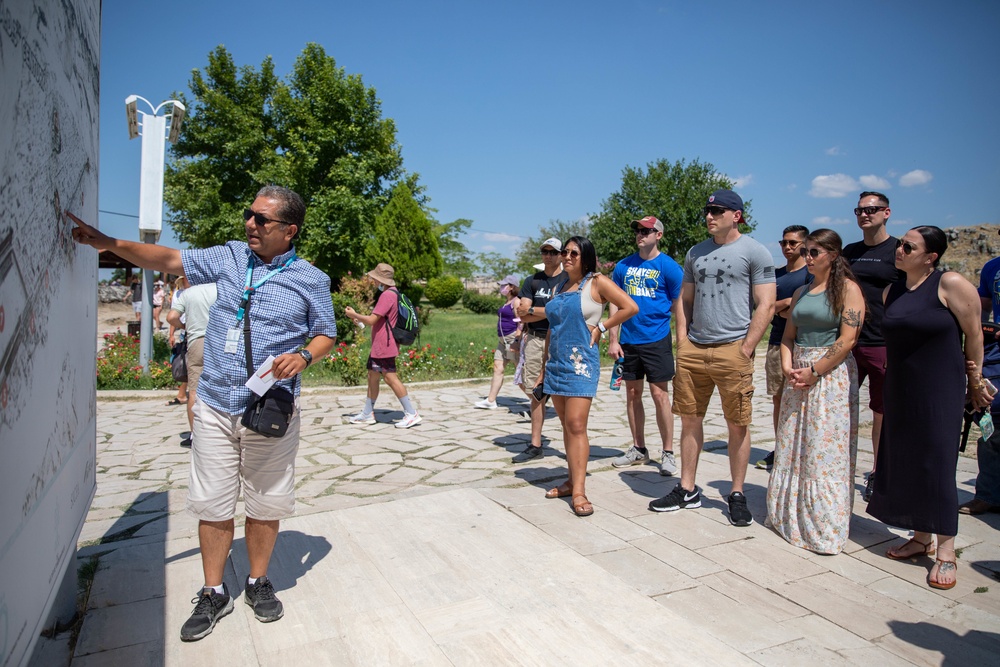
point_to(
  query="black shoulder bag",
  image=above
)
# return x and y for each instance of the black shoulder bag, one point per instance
(271, 413)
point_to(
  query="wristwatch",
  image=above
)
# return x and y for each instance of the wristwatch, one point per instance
(307, 355)
(531, 311)
(604, 329)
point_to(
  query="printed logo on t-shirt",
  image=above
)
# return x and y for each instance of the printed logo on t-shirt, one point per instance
(640, 281)
(544, 293)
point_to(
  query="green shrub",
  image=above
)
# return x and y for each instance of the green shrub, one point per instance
(347, 330)
(445, 291)
(482, 304)
(415, 292)
(348, 362)
(118, 364)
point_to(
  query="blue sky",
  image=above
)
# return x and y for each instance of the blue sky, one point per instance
(517, 113)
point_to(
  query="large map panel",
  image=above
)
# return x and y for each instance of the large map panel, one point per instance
(49, 95)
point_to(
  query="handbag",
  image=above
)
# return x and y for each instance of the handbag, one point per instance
(178, 362)
(271, 413)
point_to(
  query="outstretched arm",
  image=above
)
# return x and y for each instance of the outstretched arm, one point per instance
(144, 255)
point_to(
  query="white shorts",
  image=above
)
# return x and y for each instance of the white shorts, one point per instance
(224, 454)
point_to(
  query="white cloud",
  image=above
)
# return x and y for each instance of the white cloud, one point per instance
(833, 185)
(873, 182)
(833, 150)
(742, 181)
(499, 237)
(915, 177)
(899, 222)
(827, 221)
(487, 248)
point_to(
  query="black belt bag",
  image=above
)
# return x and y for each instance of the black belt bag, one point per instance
(271, 413)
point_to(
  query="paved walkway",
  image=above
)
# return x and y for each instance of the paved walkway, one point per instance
(428, 546)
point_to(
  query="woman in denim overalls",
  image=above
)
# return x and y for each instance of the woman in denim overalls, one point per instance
(572, 367)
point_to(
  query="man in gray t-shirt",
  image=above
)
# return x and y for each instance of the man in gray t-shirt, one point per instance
(727, 301)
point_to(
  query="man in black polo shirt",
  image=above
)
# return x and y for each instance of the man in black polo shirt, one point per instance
(536, 291)
(873, 261)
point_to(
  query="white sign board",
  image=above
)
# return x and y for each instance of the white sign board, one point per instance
(49, 85)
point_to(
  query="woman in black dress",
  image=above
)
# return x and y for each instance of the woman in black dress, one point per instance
(926, 387)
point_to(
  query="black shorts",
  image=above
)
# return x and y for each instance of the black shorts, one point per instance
(387, 365)
(652, 361)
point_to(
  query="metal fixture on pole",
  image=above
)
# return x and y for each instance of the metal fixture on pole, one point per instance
(153, 128)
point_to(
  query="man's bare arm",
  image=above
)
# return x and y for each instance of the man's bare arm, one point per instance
(144, 255)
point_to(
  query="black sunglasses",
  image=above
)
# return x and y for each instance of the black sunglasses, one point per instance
(906, 246)
(791, 244)
(259, 219)
(643, 231)
(715, 210)
(550, 253)
(570, 253)
(812, 252)
(869, 210)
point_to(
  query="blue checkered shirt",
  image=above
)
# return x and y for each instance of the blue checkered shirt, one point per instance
(291, 306)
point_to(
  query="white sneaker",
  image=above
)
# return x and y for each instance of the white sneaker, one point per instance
(668, 466)
(486, 404)
(409, 420)
(362, 418)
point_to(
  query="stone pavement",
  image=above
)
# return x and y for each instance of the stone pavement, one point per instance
(428, 546)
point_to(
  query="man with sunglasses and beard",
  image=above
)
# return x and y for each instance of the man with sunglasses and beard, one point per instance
(727, 301)
(653, 280)
(873, 261)
(285, 301)
(536, 291)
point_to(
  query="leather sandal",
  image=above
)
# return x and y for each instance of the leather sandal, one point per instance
(943, 565)
(559, 491)
(584, 508)
(928, 550)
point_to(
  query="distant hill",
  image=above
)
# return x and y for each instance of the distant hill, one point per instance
(969, 248)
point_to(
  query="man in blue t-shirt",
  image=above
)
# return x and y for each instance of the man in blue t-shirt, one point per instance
(987, 498)
(788, 278)
(653, 280)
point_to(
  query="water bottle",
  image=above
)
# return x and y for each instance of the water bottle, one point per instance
(616, 374)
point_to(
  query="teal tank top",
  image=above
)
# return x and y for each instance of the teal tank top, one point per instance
(816, 325)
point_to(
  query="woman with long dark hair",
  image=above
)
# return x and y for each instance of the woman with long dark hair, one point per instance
(930, 375)
(572, 368)
(811, 491)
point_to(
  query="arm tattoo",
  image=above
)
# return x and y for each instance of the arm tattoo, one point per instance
(851, 318)
(834, 350)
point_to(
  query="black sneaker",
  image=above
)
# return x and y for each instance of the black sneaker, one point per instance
(260, 595)
(766, 463)
(739, 515)
(209, 608)
(678, 499)
(866, 495)
(530, 452)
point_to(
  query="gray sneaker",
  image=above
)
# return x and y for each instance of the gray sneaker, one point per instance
(632, 457)
(668, 467)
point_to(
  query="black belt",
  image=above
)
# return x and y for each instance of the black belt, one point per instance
(537, 334)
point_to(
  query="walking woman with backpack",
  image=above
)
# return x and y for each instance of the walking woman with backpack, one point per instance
(382, 358)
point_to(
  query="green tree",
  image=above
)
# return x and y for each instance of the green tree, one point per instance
(674, 192)
(319, 132)
(457, 258)
(404, 238)
(496, 265)
(527, 254)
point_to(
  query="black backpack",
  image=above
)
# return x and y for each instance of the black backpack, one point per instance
(407, 325)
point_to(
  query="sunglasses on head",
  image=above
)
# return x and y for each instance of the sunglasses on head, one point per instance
(812, 252)
(789, 244)
(643, 231)
(906, 246)
(259, 220)
(869, 210)
(570, 253)
(550, 253)
(715, 210)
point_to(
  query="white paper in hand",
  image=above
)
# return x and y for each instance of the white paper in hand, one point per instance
(262, 380)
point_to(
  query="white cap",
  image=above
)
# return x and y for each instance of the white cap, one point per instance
(554, 242)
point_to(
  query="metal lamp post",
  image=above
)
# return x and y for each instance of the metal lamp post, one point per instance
(153, 128)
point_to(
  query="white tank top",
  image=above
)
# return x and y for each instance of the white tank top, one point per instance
(592, 310)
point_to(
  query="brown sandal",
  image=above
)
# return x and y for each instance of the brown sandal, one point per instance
(942, 564)
(928, 550)
(584, 508)
(559, 492)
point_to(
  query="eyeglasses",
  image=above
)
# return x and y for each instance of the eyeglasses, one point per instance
(906, 246)
(643, 231)
(716, 211)
(869, 210)
(570, 253)
(259, 219)
(550, 253)
(789, 244)
(812, 252)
